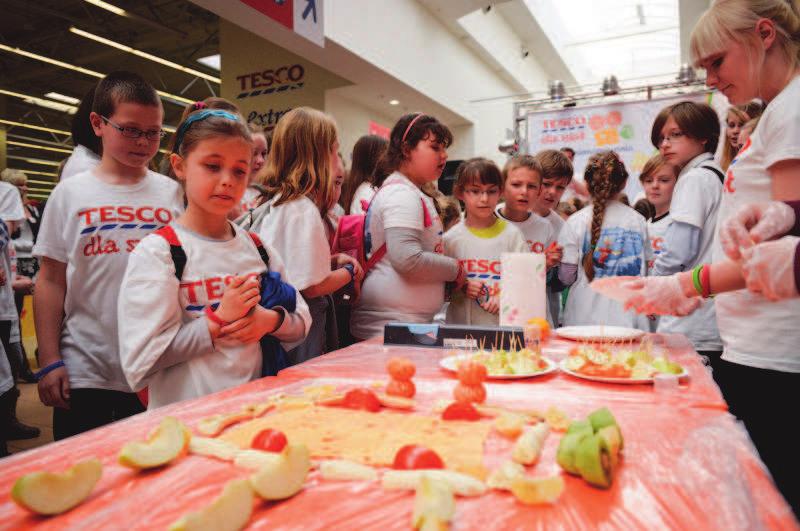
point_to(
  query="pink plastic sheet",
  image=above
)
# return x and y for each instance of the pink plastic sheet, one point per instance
(368, 360)
(683, 468)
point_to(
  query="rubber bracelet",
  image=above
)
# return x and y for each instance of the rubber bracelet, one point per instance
(352, 271)
(696, 279)
(215, 318)
(705, 280)
(50, 368)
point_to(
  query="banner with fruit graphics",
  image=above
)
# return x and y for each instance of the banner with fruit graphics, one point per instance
(623, 127)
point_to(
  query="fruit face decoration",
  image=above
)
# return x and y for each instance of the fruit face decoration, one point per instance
(412, 456)
(460, 411)
(363, 399)
(591, 448)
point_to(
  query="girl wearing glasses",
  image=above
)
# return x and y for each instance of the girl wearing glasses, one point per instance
(686, 134)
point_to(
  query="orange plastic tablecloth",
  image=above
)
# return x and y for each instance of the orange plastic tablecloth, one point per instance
(683, 468)
(368, 360)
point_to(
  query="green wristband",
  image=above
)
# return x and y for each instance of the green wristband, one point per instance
(698, 286)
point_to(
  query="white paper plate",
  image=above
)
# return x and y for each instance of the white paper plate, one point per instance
(609, 379)
(450, 363)
(599, 333)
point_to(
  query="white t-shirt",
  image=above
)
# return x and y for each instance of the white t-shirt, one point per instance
(251, 198)
(556, 221)
(153, 306)
(621, 249)
(554, 297)
(81, 160)
(756, 331)
(386, 295)
(8, 310)
(478, 251)
(537, 231)
(695, 201)
(93, 226)
(296, 231)
(656, 230)
(364, 192)
(11, 208)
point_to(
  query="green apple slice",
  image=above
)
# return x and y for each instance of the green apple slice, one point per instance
(229, 512)
(53, 493)
(593, 462)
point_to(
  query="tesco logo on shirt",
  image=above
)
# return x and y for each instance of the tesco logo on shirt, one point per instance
(482, 266)
(145, 214)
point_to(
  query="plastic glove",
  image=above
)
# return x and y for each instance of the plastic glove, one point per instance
(754, 223)
(768, 268)
(660, 296)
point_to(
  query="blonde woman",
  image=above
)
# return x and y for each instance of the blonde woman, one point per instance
(299, 191)
(751, 49)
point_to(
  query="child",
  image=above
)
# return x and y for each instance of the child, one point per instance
(477, 243)
(361, 185)
(407, 282)
(686, 135)
(451, 211)
(191, 326)
(522, 176)
(556, 176)
(92, 223)
(252, 195)
(604, 239)
(300, 191)
(658, 180)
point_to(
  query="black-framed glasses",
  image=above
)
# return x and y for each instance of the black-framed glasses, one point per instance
(132, 132)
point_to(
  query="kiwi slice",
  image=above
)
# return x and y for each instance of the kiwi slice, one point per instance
(593, 461)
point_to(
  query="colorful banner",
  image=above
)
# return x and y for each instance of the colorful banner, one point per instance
(623, 127)
(378, 129)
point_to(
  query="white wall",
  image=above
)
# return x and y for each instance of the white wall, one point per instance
(353, 120)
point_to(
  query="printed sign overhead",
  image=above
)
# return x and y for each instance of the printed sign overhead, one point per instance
(304, 17)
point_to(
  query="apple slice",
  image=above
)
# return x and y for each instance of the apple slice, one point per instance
(229, 512)
(165, 443)
(434, 504)
(501, 478)
(256, 459)
(395, 402)
(534, 491)
(461, 484)
(53, 493)
(283, 478)
(342, 470)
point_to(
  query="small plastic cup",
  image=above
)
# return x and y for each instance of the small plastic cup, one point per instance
(666, 385)
(532, 334)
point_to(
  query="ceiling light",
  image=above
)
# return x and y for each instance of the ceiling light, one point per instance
(179, 100)
(36, 146)
(212, 61)
(37, 127)
(394, 102)
(26, 172)
(33, 100)
(34, 161)
(108, 7)
(62, 97)
(145, 55)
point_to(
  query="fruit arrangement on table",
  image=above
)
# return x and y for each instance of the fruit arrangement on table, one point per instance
(633, 363)
(283, 439)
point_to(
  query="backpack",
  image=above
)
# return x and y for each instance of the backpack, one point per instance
(715, 171)
(350, 237)
(273, 355)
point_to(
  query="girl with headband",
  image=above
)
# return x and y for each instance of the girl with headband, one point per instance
(407, 283)
(193, 315)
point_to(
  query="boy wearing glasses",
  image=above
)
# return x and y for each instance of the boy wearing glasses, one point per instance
(477, 243)
(91, 224)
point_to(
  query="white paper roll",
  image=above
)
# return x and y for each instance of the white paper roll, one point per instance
(522, 292)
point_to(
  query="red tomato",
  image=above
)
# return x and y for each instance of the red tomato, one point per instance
(460, 411)
(269, 440)
(362, 399)
(412, 456)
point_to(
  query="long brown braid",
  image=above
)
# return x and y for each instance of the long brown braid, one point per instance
(605, 175)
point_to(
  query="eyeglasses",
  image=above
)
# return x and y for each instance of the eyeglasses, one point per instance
(132, 132)
(478, 193)
(671, 137)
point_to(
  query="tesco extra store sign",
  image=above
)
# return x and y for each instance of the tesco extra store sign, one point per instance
(272, 81)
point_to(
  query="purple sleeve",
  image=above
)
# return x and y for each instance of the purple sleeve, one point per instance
(795, 231)
(567, 273)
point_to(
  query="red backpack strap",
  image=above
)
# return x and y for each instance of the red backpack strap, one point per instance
(175, 249)
(262, 251)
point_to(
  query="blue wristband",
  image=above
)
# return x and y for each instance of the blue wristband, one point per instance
(352, 271)
(53, 366)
